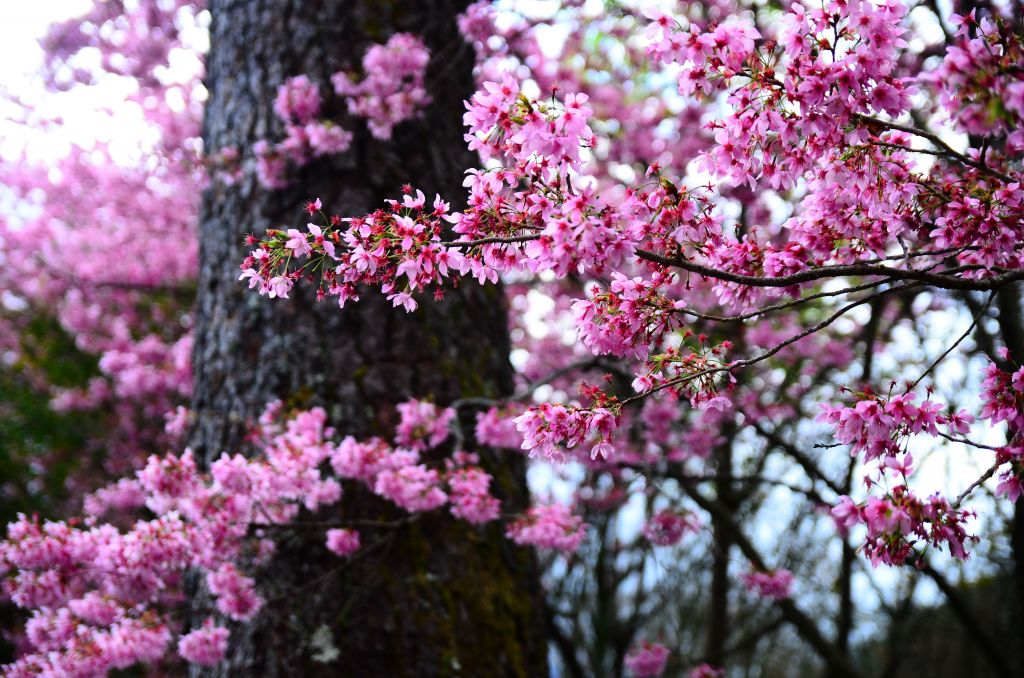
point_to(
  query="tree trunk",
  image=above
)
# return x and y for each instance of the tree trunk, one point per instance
(718, 603)
(434, 596)
(1011, 324)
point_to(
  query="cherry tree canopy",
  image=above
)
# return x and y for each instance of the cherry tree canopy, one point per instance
(733, 238)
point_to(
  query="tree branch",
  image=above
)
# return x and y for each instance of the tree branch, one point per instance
(838, 665)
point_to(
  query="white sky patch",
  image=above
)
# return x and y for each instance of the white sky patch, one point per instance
(21, 26)
(83, 115)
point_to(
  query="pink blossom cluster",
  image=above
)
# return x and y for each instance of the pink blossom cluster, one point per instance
(976, 81)
(414, 487)
(748, 256)
(809, 110)
(498, 429)
(628, 318)
(124, 495)
(879, 426)
(831, 63)
(540, 147)
(298, 106)
(235, 592)
(800, 121)
(551, 526)
(634, 318)
(667, 528)
(403, 241)
(476, 24)
(134, 44)
(791, 119)
(1011, 478)
(204, 646)
(104, 598)
(899, 521)
(392, 90)
(401, 248)
(469, 490)
(422, 425)
(706, 671)
(74, 250)
(661, 419)
(775, 585)
(393, 87)
(1002, 397)
(121, 643)
(298, 100)
(342, 542)
(547, 426)
(658, 130)
(722, 51)
(397, 475)
(90, 590)
(986, 225)
(647, 659)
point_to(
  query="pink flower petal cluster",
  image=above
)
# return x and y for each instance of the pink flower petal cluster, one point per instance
(78, 651)
(104, 598)
(775, 585)
(545, 427)
(879, 426)
(298, 100)
(342, 542)
(900, 521)
(393, 86)
(414, 487)
(123, 495)
(496, 429)
(706, 671)
(628, 318)
(550, 526)
(204, 646)
(398, 249)
(1002, 396)
(235, 592)
(792, 105)
(976, 81)
(807, 111)
(422, 424)
(646, 659)
(297, 105)
(667, 528)
(469, 494)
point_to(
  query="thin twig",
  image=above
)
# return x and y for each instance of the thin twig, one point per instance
(938, 280)
(974, 322)
(769, 353)
(976, 484)
(939, 143)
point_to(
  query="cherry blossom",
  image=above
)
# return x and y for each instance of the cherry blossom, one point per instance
(647, 659)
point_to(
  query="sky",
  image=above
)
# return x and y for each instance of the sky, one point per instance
(81, 110)
(21, 25)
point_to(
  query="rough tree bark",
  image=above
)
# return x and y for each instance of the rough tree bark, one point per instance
(432, 597)
(1011, 325)
(718, 625)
